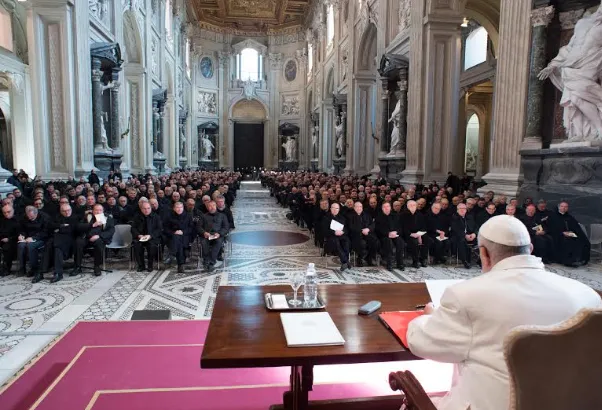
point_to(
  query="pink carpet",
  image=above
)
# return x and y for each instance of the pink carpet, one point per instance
(146, 356)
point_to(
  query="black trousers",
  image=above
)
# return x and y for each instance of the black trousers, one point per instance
(418, 251)
(98, 249)
(177, 247)
(151, 248)
(340, 245)
(440, 248)
(60, 254)
(543, 246)
(29, 251)
(572, 250)
(365, 246)
(463, 248)
(388, 244)
(9, 254)
(211, 249)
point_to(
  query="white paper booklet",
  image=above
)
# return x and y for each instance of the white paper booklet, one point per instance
(421, 233)
(101, 218)
(440, 239)
(310, 329)
(336, 226)
(437, 287)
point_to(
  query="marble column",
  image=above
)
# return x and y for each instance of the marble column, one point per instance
(155, 117)
(510, 97)
(96, 104)
(384, 135)
(161, 129)
(115, 140)
(540, 19)
(403, 109)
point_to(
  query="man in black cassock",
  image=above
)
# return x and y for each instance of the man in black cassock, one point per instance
(571, 243)
(543, 243)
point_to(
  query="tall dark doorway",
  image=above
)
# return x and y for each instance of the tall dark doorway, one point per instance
(248, 145)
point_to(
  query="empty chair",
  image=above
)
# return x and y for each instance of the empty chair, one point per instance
(122, 239)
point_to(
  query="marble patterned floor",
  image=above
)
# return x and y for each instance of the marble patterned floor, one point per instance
(31, 316)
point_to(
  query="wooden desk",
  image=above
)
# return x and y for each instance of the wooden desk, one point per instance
(243, 333)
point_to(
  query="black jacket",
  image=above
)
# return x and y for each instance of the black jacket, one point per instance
(462, 226)
(9, 228)
(413, 223)
(181, 222)
(439, 222)
(226, 211)
(359, 222)
(105, 231)
(213, 223)
(388, 223)
(326, 224)
(36, 229)
(147, 225)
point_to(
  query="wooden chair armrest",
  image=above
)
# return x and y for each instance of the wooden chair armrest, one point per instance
(415, 398)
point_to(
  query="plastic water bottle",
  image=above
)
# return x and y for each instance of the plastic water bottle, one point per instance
(310, 287)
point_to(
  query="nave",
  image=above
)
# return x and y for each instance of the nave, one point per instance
(266, 249)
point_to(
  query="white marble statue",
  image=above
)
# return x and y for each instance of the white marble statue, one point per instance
(314, 138)
(182, 142)
(339, 134)
(290, 148)
(208, 147)
(576, 72)
(395, 148)
(103, 132)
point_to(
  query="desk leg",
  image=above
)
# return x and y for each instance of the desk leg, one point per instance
(301, 382)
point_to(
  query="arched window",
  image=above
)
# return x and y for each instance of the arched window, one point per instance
(310, 58)
(249, 63)
(330, 26)
(475, 51)
(6, 32)
(471, 150)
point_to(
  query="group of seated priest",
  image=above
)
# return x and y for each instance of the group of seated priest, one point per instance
(375, 217)
(43, 224)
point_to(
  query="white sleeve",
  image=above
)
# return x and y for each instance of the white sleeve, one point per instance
(444, 336)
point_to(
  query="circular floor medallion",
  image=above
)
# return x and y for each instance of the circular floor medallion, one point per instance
(268, 238)
(25, 304)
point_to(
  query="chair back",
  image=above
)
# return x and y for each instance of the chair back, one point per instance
(415, 397)
(122, 237)
(596, 234)
(556, 367)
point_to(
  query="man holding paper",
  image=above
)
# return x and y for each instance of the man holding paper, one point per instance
(98, 234)
(437, 224)
(571, 244)
(336, 235)
(543, 244)
(474, 316)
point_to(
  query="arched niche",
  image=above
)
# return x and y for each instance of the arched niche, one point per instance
(367, 49)
(248, 110)
(329, 85)
(132, 39)
(487, 14)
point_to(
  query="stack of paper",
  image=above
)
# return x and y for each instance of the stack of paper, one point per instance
(310, 329)
(101, 218)
(336, 226)
(436, 288)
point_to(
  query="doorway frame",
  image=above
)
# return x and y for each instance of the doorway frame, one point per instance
(233, 124)
(270, 156)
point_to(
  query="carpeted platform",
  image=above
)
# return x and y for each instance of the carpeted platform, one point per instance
(155, 365)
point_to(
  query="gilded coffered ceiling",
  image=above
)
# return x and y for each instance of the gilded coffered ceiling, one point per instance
(251, 15)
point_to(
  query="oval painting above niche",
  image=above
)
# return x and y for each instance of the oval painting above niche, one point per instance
(207, 67)
(290, 70)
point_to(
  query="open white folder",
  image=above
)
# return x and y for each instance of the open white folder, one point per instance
(336, 226)
(310, 329)
(436, 288)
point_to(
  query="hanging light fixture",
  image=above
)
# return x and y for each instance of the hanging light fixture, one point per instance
(464, 22)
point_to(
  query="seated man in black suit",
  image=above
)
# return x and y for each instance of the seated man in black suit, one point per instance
(146, 233)
(63, 231)
(543, 243)
(363, 238)
(98, 232)
(212, 228)
(390, 234)
(414, 228)
(463, 234)
(437, 227)
(179, 230)
(9, 230)
(337, 240)
(33, 233)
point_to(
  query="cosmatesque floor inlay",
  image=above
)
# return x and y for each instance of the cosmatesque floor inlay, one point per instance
(33, 315)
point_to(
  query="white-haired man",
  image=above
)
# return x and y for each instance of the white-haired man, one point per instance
(469, 327)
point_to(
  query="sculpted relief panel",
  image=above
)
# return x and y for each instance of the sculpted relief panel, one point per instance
(206, 102)
(290, 105)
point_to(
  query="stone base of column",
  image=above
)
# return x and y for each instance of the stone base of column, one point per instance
(565, 174)
(411, 177)
(208, 165)
(183, 162)
(391, 167)
(339, 165)
(159, 163)
(5, 186)
(313, 165)
(288, 165)
(531, 143)
(106, 161)
(502, 183)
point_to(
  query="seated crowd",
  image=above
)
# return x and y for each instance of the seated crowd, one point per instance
(378, 217)
(42, 224)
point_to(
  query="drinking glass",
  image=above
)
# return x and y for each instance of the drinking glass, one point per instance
(296, 282)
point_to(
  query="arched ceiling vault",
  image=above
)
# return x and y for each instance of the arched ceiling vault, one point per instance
(487, 14)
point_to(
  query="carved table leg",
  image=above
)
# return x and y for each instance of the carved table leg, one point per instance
(301, 382)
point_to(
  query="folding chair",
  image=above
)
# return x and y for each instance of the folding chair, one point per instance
(122, 239)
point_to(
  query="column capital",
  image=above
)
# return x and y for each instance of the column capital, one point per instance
(13, 81)
(223, 57)
(275, 60)
(569, 19)
(542, 16)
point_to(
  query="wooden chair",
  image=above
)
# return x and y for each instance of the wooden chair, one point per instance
(556, 367)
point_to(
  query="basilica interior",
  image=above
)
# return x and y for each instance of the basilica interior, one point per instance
(404, 90)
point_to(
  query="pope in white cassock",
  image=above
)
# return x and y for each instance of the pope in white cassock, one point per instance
(469, 327)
